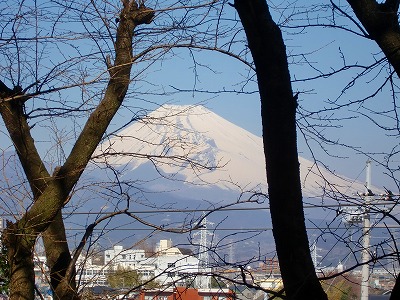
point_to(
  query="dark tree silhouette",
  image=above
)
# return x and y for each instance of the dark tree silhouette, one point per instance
(381, 21)
(278, 112)
(51, 191)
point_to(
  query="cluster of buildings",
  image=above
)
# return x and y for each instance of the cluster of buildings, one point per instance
(168, 265)
(184, 293)
(176, 272)
(180, 275)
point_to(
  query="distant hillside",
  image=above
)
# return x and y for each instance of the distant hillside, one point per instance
(176, 162)
(233, 157)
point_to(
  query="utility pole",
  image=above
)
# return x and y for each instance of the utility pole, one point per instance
(366, 232)
(360, 216)
(203, 280)
(231, 256)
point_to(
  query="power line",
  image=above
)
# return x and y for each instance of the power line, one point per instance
(235, 229)
(186, 210)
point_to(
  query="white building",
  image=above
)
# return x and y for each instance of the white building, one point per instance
(177, 268)
(165, 248)
(168, 265)
(90, 274)
(126, 258)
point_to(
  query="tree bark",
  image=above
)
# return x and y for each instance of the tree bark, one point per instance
(382, 24)
(58, 259)
(38, 178)
(278, 111)
(51, 192)
(20, 259)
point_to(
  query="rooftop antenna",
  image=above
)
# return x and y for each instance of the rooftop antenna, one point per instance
(314, 254)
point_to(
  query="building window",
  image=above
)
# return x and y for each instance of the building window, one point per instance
(171, 265)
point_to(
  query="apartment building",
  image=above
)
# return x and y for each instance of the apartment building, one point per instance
(167, 265)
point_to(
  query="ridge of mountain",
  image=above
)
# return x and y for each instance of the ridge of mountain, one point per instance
(221, 154)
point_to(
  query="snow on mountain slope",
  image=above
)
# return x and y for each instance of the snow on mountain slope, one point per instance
(220, 153)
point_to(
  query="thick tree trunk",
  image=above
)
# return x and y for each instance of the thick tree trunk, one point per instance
(50, 193)
(278, 111)
(58, 260)
(382, 24)
(20, 258)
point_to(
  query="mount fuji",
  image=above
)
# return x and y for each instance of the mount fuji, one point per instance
(177, 162)
(193, 152)
(183, 160)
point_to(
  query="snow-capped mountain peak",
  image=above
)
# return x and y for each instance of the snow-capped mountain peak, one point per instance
(202, 148)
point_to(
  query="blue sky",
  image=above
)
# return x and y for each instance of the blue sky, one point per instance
(325, 47)
(215, 73)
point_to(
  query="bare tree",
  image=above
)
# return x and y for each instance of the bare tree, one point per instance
(36, 86)
(279, 103)
(278, 111)
(51, 191)
(56, 55)
(381, 23)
